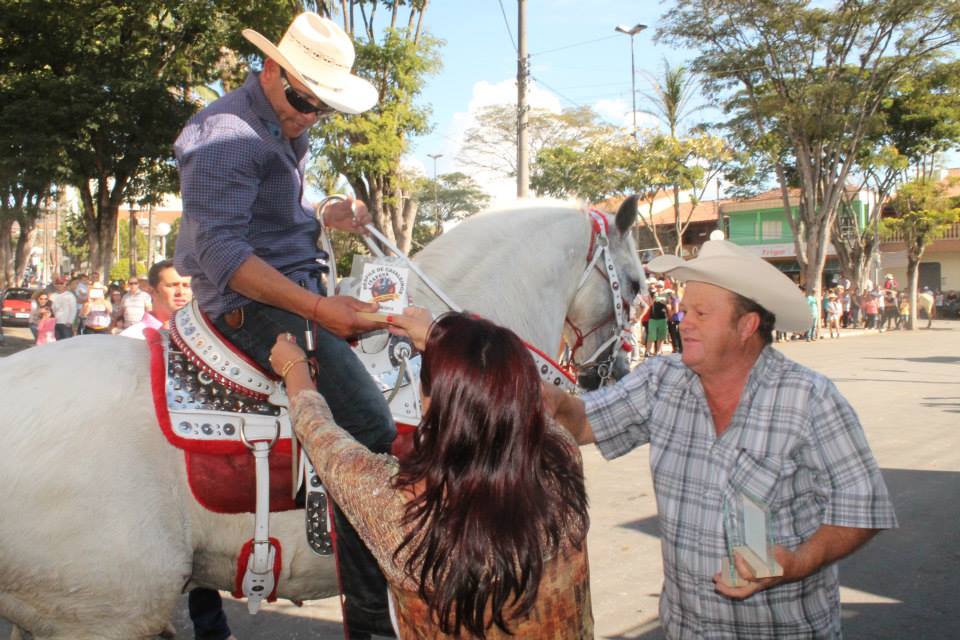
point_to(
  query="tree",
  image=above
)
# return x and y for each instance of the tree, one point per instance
(601, 169)
(922, 212)
(670, 100)
(112, 78)
(919, 119)
(29, 167)
(491, 146)
(813, 78)
(366, 149)
(453, 197)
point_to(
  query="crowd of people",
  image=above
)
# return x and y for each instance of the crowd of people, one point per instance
(82, 304)
(655, 314)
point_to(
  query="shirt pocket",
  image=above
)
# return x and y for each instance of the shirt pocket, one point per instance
(761, 478)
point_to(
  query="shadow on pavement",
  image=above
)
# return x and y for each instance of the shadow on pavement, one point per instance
(904, 579)
(927, 359)
(270, 623)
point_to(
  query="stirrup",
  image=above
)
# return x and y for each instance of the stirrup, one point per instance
(317, 511)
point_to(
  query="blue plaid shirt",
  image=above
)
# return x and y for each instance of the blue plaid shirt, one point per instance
(242, 188)
(794, 444)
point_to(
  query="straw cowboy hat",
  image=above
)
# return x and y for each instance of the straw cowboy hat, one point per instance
(320, 55)
(732, 267)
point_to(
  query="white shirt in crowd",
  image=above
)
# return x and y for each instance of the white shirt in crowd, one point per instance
(64, 307)
(134, 305)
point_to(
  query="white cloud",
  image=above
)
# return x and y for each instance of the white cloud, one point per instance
(485, 93)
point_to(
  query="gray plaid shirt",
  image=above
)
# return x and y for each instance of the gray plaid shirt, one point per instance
(794, 443)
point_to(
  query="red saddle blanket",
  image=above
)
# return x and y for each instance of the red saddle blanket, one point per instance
(221, 474)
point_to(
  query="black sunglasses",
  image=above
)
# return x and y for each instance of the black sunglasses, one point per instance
(300, 102)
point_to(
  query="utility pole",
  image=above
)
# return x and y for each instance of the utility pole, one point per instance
(523, 164)
(436, 206)
(632, 31)
(132, 244)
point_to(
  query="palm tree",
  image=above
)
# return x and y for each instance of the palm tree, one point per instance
(670, 100)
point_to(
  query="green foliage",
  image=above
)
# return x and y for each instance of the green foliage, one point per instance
(72, 238)
(453, 197)
(492, 144)
(922, 212)
(366, 148)
(102, 87)
(807, 81)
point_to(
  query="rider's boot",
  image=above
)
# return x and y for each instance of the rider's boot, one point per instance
(364, 588)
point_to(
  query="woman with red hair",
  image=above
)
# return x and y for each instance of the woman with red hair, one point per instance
(481, 530)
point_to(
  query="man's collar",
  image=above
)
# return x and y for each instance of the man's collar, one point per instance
(259, 102)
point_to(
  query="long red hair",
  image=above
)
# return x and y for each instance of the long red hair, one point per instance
(500, 491)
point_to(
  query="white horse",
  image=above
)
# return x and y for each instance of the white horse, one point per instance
(100, 533)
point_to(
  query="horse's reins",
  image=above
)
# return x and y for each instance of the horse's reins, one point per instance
(600, 248)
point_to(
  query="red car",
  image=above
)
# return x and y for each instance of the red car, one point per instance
(16, 305)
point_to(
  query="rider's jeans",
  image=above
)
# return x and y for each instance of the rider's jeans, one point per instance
(359, 407)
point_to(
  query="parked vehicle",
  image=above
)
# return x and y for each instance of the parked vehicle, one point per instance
(16, 305)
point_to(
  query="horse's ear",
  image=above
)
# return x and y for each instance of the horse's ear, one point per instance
(627, 215)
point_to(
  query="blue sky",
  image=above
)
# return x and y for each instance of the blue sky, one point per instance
(576, 59)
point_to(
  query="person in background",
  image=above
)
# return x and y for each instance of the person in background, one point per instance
(904, 321)
(46, 325)
(97, 310)
(171, 292)
(870, 308)
(135, 303)
(39, 299)
(676, 317)
(814, 310)
(65, 308)
(115, 296)
(834, 313)
(657, 324)
(80, 286)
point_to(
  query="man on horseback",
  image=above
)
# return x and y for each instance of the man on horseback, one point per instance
(249, 240)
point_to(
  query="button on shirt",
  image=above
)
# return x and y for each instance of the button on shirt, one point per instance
(794, 444)
(242, 187)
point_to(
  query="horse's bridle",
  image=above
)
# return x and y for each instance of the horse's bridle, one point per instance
(600, 249)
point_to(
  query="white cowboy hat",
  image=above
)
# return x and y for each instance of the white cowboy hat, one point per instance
(319, 54)
(732, 267)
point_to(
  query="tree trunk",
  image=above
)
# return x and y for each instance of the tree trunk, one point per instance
(6, 253)
(816, 244)
(914, 254)
(28, 233)
(676, 217)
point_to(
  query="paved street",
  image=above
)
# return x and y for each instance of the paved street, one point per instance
(906, 389)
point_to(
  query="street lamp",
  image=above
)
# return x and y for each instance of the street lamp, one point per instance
(632, 31)
(436, 208)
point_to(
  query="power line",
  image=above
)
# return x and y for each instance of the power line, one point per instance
(570, 46)
(539, 81)
(506, 23)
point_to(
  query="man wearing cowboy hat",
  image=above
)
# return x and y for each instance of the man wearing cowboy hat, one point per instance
(248, 239)
(732, 416)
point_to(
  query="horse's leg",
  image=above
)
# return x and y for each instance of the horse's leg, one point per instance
(96, 542)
